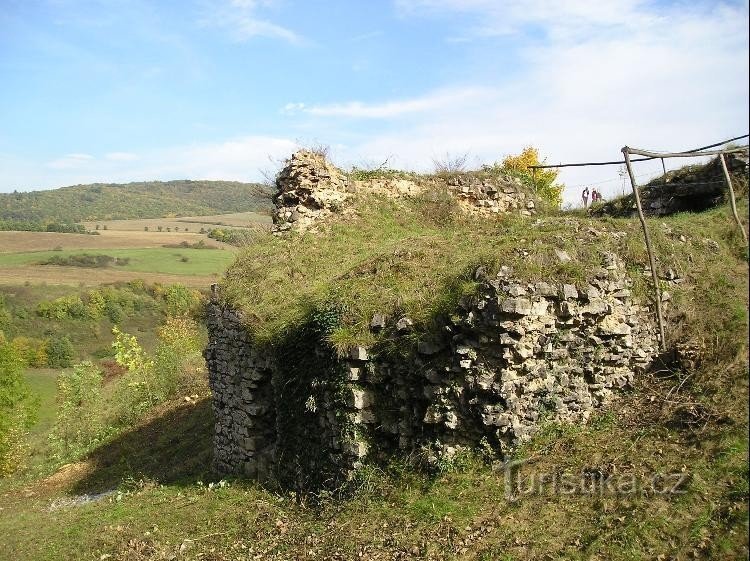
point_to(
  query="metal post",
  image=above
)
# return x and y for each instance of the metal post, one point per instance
(664, 168)
(652, 263)
(732, 201)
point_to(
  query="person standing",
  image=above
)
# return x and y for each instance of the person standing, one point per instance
(585, 197)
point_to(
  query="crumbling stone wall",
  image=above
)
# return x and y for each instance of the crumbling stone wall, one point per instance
(510, 357)
(310, 189)
(692, 188)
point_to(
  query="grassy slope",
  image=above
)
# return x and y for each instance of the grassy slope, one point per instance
(676, 420)
(146, 260)
(150, 199)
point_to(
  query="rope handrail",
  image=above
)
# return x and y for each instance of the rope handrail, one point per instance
(619, 162)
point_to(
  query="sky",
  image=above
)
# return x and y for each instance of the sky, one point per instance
(128, 90)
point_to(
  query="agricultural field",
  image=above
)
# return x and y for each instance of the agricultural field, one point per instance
(141, 251)
(183, 224)
(109, 239)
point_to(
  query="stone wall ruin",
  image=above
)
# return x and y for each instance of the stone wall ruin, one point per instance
(516, 354)
(300, 415)
(310, 189)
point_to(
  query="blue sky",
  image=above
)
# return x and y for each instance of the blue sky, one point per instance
(114, 90)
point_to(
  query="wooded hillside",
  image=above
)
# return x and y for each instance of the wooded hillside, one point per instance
(147, 199)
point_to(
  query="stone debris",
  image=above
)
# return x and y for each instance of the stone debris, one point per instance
(513, 354)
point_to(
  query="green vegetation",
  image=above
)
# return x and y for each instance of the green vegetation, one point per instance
(30, 226)
(16, 408)
(540, 181)
(90, 413)
(146, 260)
(85, 260)
(415, 258)
(146, 433)
(59, 352)
(233, 236)
(59, 316)
(150, 199)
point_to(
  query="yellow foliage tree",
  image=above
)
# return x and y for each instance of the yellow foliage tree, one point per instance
(543, 181)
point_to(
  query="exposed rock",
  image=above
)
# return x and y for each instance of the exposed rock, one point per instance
(310, 189)
(690, 189)
(555, 351)
(404, 324)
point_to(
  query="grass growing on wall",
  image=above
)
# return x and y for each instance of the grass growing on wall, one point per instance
(416, 258)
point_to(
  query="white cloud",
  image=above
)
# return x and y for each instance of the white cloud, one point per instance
(567, 18)
(239, 159)
(240, 19)
(434, 101)
(121, 156)
(71, 161)
(676, 80)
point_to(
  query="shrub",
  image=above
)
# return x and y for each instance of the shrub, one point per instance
(180, 300)
(79, 425)
(450, 164)
(61, 308)
(175, 365)
(33, 352)
(59, 352)
(114, 311)
(543, 181)
(16, 409)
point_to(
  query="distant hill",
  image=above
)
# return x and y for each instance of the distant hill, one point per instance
(147, 199)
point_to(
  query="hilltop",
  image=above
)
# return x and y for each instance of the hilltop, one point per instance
(145, 199)
(369, 288)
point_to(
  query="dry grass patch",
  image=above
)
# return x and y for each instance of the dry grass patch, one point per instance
(13, 242)
(75, 276)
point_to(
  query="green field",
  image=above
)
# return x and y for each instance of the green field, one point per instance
(147, 260)
(43, 385)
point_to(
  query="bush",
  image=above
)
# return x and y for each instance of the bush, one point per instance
(114, 311)
(79, 425)
(61, 308)
(16, 409)
(175, 365)
(33, 352)
(180, 300)
(59, 352)
(542, 182)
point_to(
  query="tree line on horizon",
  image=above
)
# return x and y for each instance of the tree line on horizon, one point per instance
(36, 210)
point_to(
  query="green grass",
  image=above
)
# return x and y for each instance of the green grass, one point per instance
(42, 383)
(417, 258)
(183, 261)
(166, 506)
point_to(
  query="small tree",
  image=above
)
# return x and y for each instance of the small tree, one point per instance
(59, 352)
(543, 181)
(79, 423)
(16, 413)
